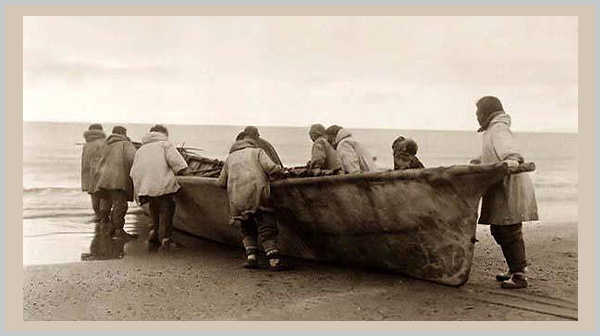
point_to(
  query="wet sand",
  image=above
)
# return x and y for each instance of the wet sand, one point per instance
(205, 281)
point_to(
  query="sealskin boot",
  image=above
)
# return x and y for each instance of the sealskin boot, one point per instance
(507, 275)
(276, 262)
(517, 280)
(503, 276)
(251, 258)
(251, 261)
(153, 238)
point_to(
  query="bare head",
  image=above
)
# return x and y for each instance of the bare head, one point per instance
(119, 130)
(160, 128)
(240, 136)
(331, 133)
(252, 132)
(96, 127)
(405, 145)
(316, 131)
(396, 145)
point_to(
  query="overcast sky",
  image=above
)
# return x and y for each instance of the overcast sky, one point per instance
(380, 72)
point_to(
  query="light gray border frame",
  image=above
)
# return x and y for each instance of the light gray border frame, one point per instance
(306, 2)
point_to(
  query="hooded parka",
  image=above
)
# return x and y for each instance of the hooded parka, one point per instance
(115, 165)
(95, 141)
(355, 158)
(324, 156)
(513, 200)
(245, 174)
(155, 165)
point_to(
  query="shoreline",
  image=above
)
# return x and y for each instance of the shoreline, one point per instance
(205, 281)
(473, 130)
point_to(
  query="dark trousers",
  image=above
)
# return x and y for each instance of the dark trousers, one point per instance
(162, 209)
(113, 203)
(264, 225)
(510, 239)
(96, 199)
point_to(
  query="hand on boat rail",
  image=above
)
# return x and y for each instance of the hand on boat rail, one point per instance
(520, 168)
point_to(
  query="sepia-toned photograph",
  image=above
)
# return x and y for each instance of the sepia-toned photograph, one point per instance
(300, 168)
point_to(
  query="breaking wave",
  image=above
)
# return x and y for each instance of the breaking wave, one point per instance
(47, 190)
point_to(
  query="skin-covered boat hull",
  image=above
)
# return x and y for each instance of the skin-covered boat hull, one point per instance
(419, 223)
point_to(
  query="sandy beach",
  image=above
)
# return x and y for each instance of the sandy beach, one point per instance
(459, 88)
(204, 280)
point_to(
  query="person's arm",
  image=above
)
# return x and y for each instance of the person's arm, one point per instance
(222, 181)
(268, 166)
(504, 144)
(318, 155)
(85, 166)
(270, 151)
(350, 161)
(129, 152)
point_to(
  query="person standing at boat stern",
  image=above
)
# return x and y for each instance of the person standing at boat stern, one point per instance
(323, 155)
(246, 174)
(95, 141)
(509, 203)
(153, 173)
(355, 158)
(112, 181)
(252, 133)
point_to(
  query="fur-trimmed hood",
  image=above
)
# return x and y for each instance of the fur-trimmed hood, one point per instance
(154, 137)
(92, 135)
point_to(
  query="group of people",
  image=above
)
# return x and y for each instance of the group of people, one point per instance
(113, 173)
(334, 148)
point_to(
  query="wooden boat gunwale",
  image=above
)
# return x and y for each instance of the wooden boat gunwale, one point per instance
(408, 174)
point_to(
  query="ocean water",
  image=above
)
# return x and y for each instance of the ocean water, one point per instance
(57, 214)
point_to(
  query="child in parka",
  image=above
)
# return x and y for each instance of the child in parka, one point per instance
(405, 154)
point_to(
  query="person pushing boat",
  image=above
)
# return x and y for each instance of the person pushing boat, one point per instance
(509, 203)
(245, 175)
(252, 133)
(323, 155)
(113, 183)
(355, 158)
(95, 141)
(153, 172)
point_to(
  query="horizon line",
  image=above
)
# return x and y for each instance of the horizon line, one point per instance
(293, 126)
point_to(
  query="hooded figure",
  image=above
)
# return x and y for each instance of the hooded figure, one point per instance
(246, 174)
(252, 132)
(155, 165)
(512, 201)
(90, 159)
(355, 158)
(112, 179)
(405, 151)
(331, 132)
(153, 173)
(509, 203)
(323, 155)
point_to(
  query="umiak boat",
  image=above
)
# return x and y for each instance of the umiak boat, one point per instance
(420, 222)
